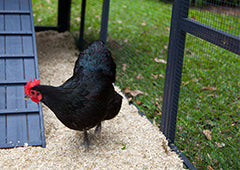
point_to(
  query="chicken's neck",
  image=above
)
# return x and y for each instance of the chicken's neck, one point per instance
(50, 94)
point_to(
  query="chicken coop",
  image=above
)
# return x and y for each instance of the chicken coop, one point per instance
(177, 62)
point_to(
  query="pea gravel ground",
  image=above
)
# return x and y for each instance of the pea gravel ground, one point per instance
(129, 141)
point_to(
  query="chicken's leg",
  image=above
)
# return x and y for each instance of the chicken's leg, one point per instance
(86, 140)
(98, 128)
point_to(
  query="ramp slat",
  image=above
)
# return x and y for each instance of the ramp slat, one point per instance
(2, 128)
(34, 128)
(12, 22)
(16, 129)
(13, 45)
(11, 4)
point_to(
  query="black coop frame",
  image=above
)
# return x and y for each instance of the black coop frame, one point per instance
(180, 26)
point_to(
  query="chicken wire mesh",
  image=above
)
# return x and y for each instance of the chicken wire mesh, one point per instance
(208, 111)
(208, 114)
(224, 14)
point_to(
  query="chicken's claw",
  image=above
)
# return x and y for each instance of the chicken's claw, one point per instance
(98, 128)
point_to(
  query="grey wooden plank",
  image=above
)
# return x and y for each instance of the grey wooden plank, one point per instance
(2, 45)
(22, 33)
(13, 82)
(15, 97)
(14, 12)
(16, 129)
(10, 145)
(24, 4)
(2, 129)
(1, 4)
(11, 4)
(2, 70)
(1, 22)
(12, 22)
(13, 45)
(18, 111)
(30, 73)
(2, 98)
(27, 45)
(26, 23)
(14, 69)
(16, 123)
(16, 56)
(34, 127)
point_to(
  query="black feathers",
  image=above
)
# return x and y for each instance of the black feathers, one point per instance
(88, 97)
(96, 59)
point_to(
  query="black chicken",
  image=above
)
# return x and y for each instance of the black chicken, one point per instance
(88, 97)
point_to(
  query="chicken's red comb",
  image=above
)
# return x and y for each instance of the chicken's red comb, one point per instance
(31, 84)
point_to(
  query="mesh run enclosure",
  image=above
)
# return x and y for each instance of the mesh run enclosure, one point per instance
(207, 110)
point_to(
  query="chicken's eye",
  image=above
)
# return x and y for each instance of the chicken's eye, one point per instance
(32, 92)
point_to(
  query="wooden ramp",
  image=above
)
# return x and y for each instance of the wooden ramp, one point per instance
(21, 122)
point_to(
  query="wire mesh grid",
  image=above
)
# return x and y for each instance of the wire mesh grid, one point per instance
(209, 103)
(222, 15)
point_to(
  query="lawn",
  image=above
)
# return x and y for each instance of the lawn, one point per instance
(208, 115)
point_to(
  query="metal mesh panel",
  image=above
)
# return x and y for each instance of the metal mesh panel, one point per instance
(222, 15)
(209, 96)
(208, 105)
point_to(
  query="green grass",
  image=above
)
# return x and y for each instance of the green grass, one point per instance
(138, 34)
(215, 110)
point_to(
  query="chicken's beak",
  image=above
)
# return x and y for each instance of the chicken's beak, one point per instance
(26, 97)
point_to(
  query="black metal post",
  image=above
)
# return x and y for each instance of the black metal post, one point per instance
(64, 10)
(104, 22)
(173, 70)
(173, 75)
(82, 23)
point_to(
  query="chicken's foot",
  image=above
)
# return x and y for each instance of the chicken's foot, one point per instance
(98, 128)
